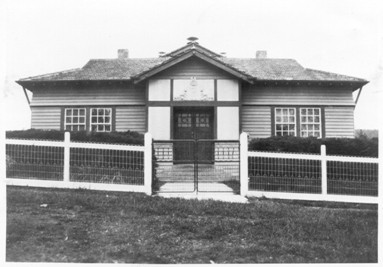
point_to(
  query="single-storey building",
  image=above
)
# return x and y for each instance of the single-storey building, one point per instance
(193, 92)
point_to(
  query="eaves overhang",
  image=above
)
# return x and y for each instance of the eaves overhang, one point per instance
(48, 83)
(355, 85)
(331, 83)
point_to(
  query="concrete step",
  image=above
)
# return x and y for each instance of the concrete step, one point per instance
(189, 186)
(224, 197)
(186, 172)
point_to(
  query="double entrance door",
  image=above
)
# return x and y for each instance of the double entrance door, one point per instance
(193, 123)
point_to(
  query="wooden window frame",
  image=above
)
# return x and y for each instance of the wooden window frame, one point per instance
(298, 119)
(98, 116)
(79, 116)
(88, 116)
(301, 123)
(288, 123)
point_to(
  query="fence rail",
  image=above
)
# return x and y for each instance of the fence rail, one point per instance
(78, 165)
(313, 177)
(129, 168)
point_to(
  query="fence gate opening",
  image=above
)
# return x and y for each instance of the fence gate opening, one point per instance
(197, 165)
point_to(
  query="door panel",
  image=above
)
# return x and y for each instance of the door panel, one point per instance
(183, 129)
(193, 123)
(203, 130)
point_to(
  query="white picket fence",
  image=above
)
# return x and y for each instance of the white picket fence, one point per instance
(308, 176)
(67, 164)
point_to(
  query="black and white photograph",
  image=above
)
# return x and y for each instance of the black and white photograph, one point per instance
(191, 132)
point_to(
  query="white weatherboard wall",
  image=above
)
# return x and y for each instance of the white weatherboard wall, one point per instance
(89, 96)
(256, 121)
(339, 122)
(227, 123)
(47, 118)
(159, 122)
(282, 95)
(159, 90)
(131, 118)
(227, 90)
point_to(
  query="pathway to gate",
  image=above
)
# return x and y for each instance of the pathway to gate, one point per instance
(190, 171)
(211, 178)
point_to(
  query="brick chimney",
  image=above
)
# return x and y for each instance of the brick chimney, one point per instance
(123, 54)
(261, 54)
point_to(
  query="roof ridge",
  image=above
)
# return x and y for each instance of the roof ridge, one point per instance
(254, 58)
(127, 59)
(112, 59)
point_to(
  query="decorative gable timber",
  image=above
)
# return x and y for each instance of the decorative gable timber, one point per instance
(192, 53)
(193, 67)
(192, 46)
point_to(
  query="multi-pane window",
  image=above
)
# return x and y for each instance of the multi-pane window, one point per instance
(303, 122)
(75, 119)
(184, 120)
(310, 122)
(202, 120)
(101, 119)
(285, 122)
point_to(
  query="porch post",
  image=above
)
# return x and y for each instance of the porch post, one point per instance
(148, 165)
(244, 172)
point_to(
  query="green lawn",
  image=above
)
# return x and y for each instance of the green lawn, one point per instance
(94, 226)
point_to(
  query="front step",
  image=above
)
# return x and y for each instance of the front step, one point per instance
(188, 187)
(224, 197)
(206, 173)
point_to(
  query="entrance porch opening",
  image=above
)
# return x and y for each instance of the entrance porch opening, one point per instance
(219, 174)
(194, 160)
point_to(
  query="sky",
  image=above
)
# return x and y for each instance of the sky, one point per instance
(44, 36)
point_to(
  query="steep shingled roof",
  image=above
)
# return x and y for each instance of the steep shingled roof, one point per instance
(283, 69)
(264, 69)
(102, 69)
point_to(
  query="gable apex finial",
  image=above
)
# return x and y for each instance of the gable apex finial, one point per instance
(192, 40)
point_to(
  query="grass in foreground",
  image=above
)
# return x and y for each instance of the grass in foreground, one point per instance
(91, 226)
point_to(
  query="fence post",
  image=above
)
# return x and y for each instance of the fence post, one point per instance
(380, 189)
(66, 156)
(3, 175)
(244, 172)
(148, 165)
(324, 169)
